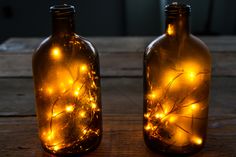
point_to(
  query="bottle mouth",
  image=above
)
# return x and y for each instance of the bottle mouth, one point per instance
(62, 10)
(177, 8)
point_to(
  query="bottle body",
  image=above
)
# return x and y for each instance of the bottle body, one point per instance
(67, 92)
(177, 72)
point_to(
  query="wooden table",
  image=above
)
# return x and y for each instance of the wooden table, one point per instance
(121, 70)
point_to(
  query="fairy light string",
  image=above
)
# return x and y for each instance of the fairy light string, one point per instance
(171, 120)
(72, 90)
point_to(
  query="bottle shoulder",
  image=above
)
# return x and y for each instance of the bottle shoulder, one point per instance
(73, 44)
(188, 45)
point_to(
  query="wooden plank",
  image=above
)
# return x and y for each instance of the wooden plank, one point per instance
(119, 96)
(118, 56)
(122, 137)
(118, 44)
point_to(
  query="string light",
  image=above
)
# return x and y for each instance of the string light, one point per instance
(148, 127)
(172, 119)
(49, 90)
(82, 114)
(164, 112)
(170, 29)
(83, 68)
(71, 95)
(93, 105)
(197, 140)
(159, 115)
(69, 108)
(76, 93)
(194, 106)
(56, 53)
(55, 148)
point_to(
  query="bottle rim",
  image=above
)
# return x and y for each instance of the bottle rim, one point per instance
(177, 8)
(60, 10)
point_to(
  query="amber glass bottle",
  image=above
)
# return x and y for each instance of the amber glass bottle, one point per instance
(177, 72)
(67, 88)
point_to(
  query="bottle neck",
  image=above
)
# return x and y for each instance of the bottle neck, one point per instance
(177, 25)
(63, 25)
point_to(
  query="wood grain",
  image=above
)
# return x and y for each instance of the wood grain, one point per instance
(118, 56)
(122, 137)
(119, 96)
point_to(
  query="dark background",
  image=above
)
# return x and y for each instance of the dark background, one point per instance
(31, 18)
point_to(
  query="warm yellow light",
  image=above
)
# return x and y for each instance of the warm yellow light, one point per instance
(56, 53)
(84, 131)
(147, 115)
(56, 148)
(50, 135)
(148, 127)
(172, 78)
(49, 90)
(170, 29)
(167, 106)
(180, 138)
(69, 108)
(93, 105)
(76, 93)
(152, 96)
(83, 68)
(191, 71)
(197, 140)
(55, 114)
(191, 75)
(70, 81)
(194, 106)
(91, 99)
(172, 119)
(82, 114)
(159, 115)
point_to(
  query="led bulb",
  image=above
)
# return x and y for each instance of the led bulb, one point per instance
(56, 53)
(197, 140)
(69, 108)
(83, 68)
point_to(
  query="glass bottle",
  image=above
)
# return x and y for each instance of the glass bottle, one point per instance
(67, 88)
(177, 73)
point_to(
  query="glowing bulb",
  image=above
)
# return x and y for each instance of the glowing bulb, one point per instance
(50, 135)
(56, 53)
(84, 131)
(172, 119)
(69, 108)
(91, 99)
(49, 90)
(197, 140)
(93, 105)
(70, 81)
(170, 29)
(159, 115)
(147, 115)
(194, 106)
(83, 68)
(152, 96)
(191, 70)
(55, 114)
(56, 148)
(82, 114)
(76, 93)
(191, 75)
(155, 94)
(148, 127)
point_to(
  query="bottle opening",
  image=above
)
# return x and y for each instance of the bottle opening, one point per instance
(61, 10)
(177, 8)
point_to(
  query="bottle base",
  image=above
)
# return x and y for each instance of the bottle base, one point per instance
(76, 150)
(164, 149)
